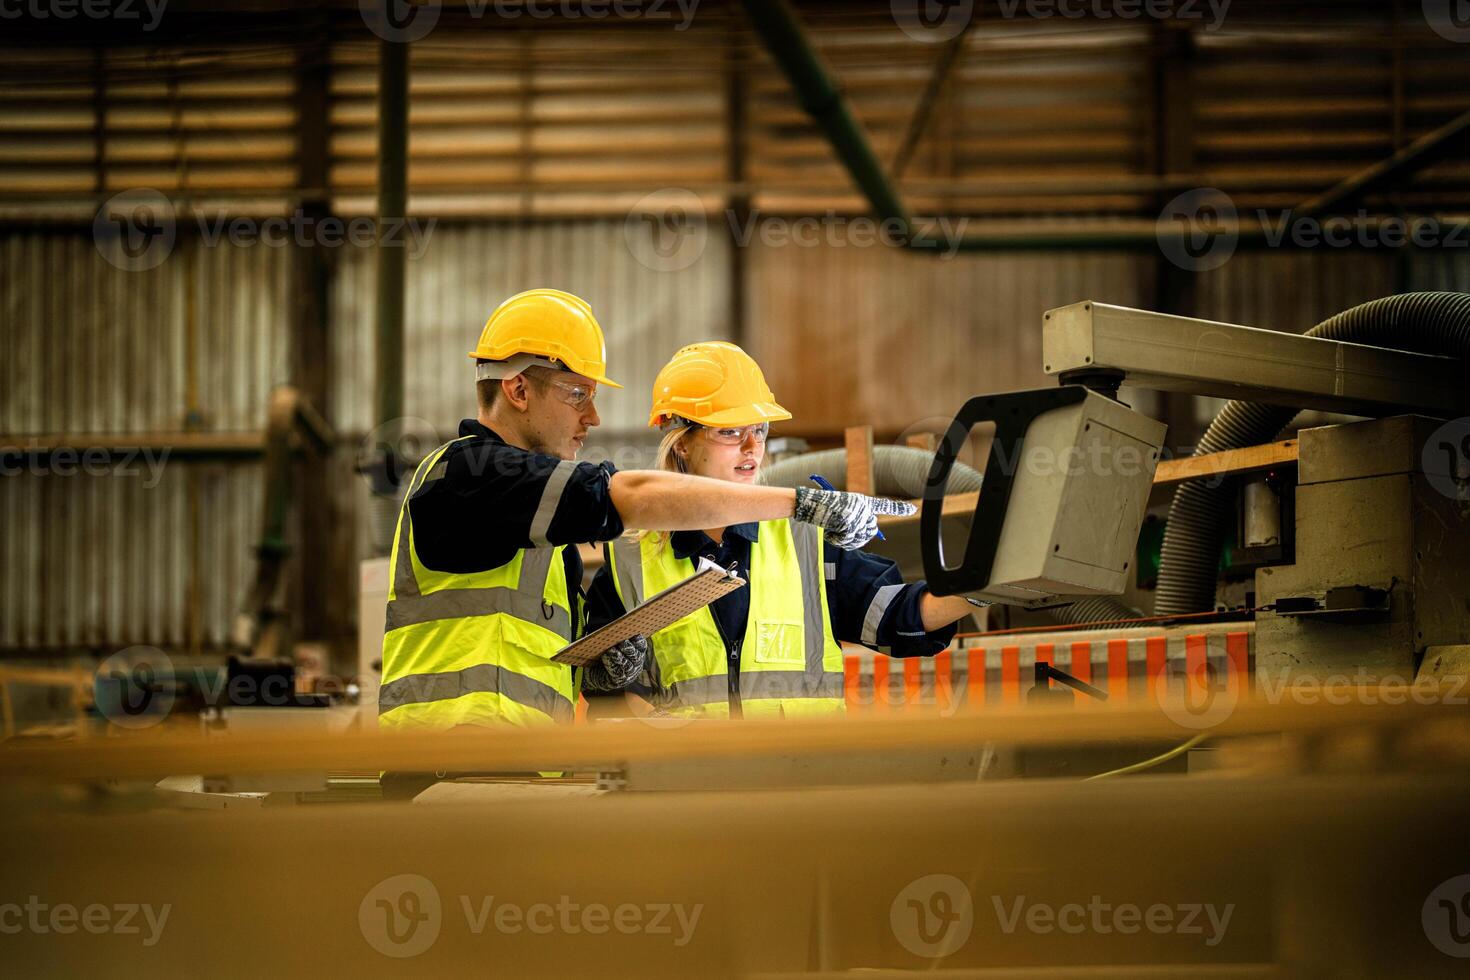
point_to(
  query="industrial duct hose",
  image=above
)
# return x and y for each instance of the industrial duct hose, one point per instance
(899, 471)
(1424, 323)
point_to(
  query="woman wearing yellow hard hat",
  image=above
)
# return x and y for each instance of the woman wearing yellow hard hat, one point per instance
(770, 649)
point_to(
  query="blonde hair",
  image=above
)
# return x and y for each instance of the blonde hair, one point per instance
(666, 457)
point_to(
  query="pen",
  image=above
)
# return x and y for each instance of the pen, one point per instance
(821, 481)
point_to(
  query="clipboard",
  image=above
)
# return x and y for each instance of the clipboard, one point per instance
(706, 585)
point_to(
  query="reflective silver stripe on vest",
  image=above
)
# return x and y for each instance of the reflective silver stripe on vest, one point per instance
(788, 684)
(874, 616)
(812, 682)
(628, 569)
(807, 549)
(551, 494)
(696, 690)
(481, 678)
(461, 603)
(628, 556)
(525, 602)
(404, 583)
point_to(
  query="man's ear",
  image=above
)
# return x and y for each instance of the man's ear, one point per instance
(516, 391)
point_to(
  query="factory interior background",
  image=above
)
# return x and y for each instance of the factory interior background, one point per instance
(245, 247)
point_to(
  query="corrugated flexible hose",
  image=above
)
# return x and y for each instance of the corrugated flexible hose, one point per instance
(1425, 323)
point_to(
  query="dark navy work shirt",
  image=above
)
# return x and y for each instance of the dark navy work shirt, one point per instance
(867, 599)
(486, 506)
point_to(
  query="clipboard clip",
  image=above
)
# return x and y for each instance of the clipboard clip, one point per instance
(730, 571)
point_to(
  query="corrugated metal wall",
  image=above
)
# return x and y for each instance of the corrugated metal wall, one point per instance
(465, 270)
(154, 549)
(846, 334)
(853, 334)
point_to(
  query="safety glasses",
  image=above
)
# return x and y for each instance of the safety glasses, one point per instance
(737, 436)
(577, 394)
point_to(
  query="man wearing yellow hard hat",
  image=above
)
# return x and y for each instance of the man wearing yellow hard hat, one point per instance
(484, 589)
(770, 649)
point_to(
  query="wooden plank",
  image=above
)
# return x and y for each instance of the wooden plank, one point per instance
(1227, 463)
(859, 440)
(926, 441)
(177, 746)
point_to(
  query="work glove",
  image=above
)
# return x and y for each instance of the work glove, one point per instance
(618, 667)
(850, 519)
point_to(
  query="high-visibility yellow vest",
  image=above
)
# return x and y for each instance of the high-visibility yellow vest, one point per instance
(790, 664)
(476, 648)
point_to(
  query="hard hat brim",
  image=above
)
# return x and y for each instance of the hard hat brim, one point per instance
(600, 378)
(744, 415)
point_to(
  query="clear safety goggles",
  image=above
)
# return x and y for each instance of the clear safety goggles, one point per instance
(736, 435)
(578, 394)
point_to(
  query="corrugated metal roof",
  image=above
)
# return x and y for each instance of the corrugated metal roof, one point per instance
(566, 116)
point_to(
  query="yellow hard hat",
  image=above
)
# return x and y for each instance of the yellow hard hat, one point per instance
(551, 324)
(714, 383)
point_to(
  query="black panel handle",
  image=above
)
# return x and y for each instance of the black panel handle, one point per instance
(1012, 413)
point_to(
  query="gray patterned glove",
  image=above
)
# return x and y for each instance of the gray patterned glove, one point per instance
(850, 519)
(618, 666)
